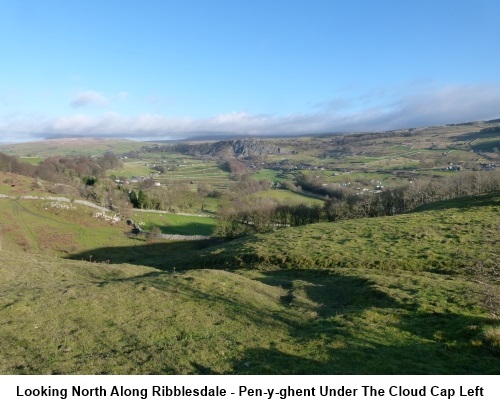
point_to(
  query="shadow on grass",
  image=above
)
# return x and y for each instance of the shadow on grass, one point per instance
(491, 146)
(333, 293)
(168, 256)
(359, 357)
(426, 343)
(191, 228)
(475, 135)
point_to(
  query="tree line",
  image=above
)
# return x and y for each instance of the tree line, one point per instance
(238, 217)
(61, 168)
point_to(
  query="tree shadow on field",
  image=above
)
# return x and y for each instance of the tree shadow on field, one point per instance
(475, 135)
(491, 146)
(164, 255)
(191, 228)
(331, 292)
(350, 334)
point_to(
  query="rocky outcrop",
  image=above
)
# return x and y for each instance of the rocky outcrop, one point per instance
(238, 148)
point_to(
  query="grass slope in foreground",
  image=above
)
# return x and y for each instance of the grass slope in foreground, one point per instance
(68, 317)
(62, 316)
(65, 317)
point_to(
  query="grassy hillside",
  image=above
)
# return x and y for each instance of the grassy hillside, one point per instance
(77, 317)
(51, 227)
(443, 237)
(71, 230)
(60, 228)
(15, 185)
(375, 296)
(86, 318)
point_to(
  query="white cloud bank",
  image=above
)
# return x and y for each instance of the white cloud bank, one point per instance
(446, 105)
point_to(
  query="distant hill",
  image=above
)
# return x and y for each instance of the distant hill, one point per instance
(70, 146)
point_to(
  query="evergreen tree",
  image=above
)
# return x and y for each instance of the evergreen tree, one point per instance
(142, 199)
(133, 199)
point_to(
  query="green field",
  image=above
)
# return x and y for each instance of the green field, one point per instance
(32, 160)
(189, 171)
(85, 318)
(175, 223)
(132, 169)
(288, 197)
(272, 175)
(62, 229)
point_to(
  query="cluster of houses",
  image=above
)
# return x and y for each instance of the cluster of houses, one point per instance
(490, 166)
(453, 167)
(483, 166)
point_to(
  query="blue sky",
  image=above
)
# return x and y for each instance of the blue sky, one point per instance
(169, 69)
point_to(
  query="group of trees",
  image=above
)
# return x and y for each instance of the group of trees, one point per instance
(12, 164)
(239, 217)
(62, 169)
(234, 166)
(79, 175)
(175, 196)
(66, 169)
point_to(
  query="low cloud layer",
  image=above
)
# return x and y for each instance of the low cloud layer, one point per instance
(446, 105)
